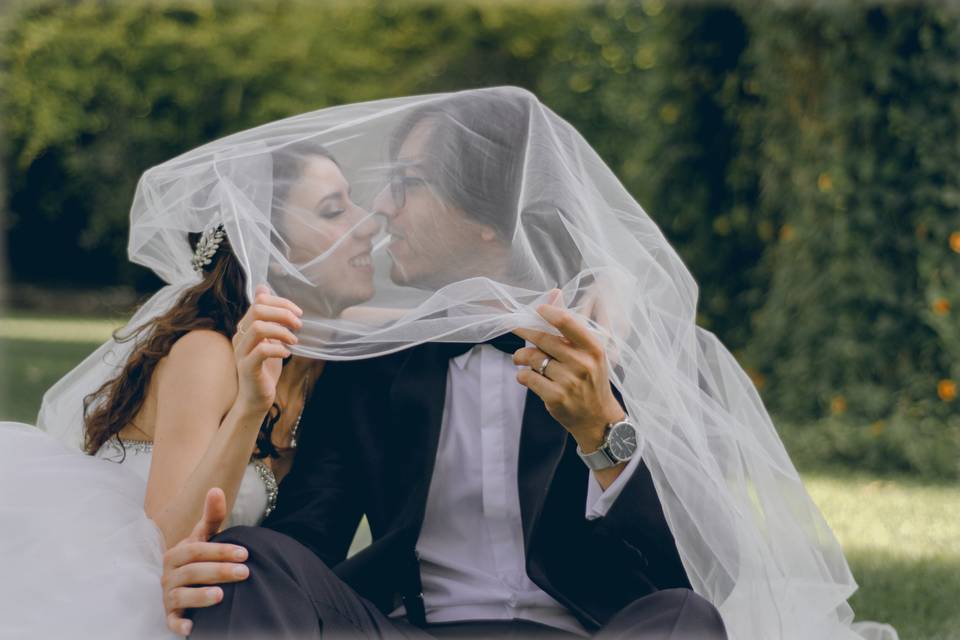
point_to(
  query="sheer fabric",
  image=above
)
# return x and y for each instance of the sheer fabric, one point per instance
(453, 217)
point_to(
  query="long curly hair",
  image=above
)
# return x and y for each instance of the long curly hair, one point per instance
(216, 303)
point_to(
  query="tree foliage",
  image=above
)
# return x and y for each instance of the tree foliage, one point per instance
(803, 159)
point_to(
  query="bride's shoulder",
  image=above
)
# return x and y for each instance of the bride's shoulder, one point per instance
(208, 342)
(200, 355)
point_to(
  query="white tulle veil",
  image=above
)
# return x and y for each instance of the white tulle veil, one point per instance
(471, 207)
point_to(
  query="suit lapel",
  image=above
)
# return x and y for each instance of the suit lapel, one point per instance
(416, 410)
(542, 443)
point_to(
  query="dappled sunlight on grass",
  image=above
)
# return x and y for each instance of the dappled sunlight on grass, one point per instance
(902, 540)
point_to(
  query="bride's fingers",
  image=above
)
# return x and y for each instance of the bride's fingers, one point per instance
(280, 315)
(265, 297)
(261, 330)
(262, 352)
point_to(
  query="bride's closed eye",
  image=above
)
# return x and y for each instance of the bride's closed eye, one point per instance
(330, 215)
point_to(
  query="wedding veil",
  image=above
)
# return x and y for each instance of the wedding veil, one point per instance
(475, 206)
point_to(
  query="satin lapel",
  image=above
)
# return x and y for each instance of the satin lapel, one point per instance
(416, 409)
(542, 443)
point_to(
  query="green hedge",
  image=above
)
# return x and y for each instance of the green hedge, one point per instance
(860, 157)
(803, 160)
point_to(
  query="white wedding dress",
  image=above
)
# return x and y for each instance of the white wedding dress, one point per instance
(78, 556)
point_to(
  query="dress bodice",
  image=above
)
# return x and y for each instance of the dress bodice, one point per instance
(255, 499)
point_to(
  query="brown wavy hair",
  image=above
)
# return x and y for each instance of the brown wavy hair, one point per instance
(216, 303)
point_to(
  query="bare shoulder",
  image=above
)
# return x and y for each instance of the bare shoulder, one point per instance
(202, 344)
(201, 360)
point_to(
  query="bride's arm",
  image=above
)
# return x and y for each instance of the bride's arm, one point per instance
(208, 417)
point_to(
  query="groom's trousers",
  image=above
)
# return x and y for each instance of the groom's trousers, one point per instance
(292, 595)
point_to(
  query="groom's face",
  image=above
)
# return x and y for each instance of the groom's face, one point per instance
(433, 242)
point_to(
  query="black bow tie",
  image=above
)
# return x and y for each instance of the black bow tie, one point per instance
(508, 343)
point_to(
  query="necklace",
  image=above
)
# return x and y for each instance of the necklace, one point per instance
(295, 429)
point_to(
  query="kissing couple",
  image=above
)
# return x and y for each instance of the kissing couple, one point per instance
(443, 314)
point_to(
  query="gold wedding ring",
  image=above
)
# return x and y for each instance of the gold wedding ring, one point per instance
(543, 366)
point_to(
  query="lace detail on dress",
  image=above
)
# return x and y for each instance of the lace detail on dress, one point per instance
(270, 482)
(119, 447)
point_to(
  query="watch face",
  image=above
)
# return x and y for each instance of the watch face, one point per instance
(622, 441)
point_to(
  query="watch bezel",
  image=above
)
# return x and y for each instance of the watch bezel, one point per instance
(613, 429)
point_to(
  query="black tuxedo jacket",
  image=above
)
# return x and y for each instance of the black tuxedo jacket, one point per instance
(368, 443)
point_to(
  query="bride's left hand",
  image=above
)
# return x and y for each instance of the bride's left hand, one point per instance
(260, 344)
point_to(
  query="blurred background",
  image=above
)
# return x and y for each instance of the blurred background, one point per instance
(804, 159)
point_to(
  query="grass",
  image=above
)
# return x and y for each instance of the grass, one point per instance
(902, 540)
(901, 537)
(35, 351)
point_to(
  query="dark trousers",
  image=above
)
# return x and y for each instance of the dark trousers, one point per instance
(292, 595)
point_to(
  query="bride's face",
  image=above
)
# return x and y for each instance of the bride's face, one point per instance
(327, 236)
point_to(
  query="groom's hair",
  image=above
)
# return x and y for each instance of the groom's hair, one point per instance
(475, 152)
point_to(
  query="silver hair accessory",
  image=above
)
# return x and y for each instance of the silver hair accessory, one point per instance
(207, 247)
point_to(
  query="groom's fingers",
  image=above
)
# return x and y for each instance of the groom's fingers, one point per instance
(214, 515)
(187, 553)
(178, 624)
(182, 598)
(207, 573)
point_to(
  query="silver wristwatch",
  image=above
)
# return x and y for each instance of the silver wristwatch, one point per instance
(619, 445)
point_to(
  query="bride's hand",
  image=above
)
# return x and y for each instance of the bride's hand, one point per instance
(260, 345)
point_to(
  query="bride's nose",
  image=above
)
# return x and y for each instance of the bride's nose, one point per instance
(367, 227)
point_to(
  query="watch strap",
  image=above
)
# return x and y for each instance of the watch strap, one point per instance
(599, 459)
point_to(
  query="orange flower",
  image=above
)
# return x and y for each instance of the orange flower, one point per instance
(941, 306)
(947, 390)
(955, 241)
(786, 233)
(824, 182)
(838, 405)
(877, 428)
(758, 380)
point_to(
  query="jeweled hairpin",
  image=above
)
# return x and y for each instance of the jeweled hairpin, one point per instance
(207, 247)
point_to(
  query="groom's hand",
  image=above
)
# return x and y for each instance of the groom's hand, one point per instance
(195, 561)
(574, 385)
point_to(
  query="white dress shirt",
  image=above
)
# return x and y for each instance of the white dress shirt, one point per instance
(472, 560)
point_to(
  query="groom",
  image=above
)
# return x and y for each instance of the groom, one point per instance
(496, 508)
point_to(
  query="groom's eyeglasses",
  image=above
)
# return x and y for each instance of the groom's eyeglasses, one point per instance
(399, 183)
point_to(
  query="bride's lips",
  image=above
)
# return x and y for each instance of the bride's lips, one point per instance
(362, 261)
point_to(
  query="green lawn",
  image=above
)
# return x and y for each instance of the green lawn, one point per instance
(902, 538)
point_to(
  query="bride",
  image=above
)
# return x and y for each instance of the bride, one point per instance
(208, 395)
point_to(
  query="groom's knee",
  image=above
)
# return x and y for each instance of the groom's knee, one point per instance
(274, 554)
(276, 595)
(676, 614)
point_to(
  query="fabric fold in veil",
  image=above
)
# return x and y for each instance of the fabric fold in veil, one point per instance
(475, 206)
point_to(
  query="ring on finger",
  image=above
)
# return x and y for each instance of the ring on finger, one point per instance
(240, 329)
(543, 366)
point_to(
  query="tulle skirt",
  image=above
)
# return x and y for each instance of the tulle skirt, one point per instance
(78, 556)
